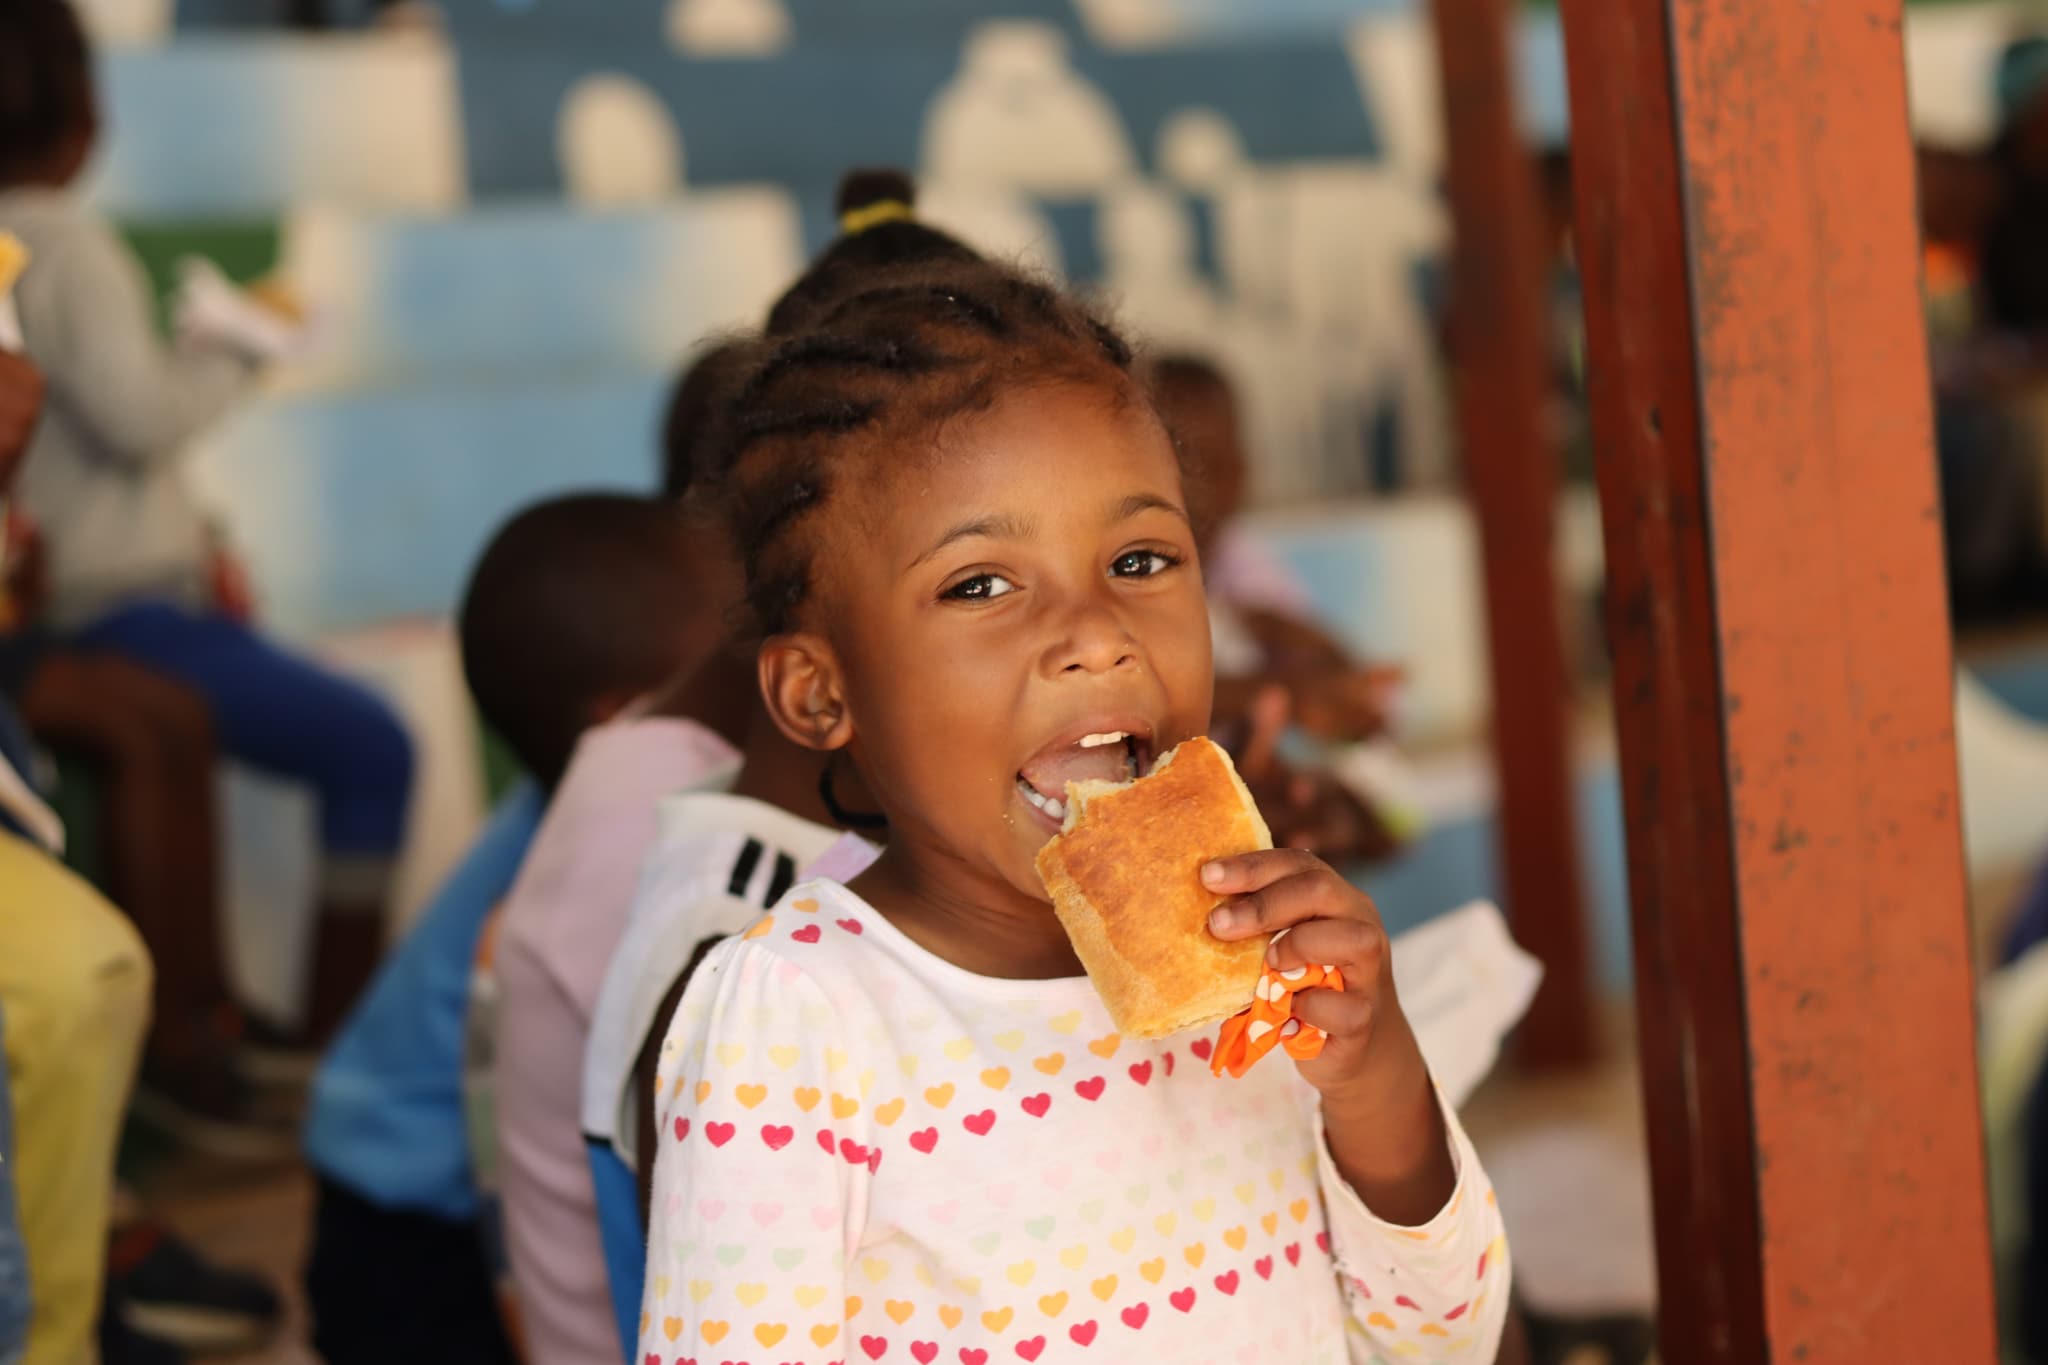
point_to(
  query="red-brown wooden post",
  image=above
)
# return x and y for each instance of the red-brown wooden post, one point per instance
(1783, 684)
(1500, 344)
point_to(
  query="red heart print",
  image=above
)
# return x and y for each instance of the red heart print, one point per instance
(1482, 1266)
(1134, 1316)
(777, 1137)
(1183, 1299)
(874, 1160)
(874, 1346)
(1166, 1060)
(1456, 1313)
(1402, 1300)
(653, 1359)
(829, 1143)
(1036, 1105)
(719, 1133)
(973, 1355)
(925, 1141)
(1294, 1253)
(855, 1154)
(1090, 1089)
(979, 1124)
(1032, 1349)
(1264, 1265)
(1323, 1243)
(1141, 1072)
(851, 926)
(683, 1130)
(1227, 1284)
(807, 934)
(1201, 1047)
(1083, 1333)
(925, 1351)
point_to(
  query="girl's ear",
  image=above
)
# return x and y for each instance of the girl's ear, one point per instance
(804, 691)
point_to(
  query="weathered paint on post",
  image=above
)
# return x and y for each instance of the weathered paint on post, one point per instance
(1500, 352)
(1782, 678)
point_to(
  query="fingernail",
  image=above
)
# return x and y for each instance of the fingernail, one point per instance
(1212, 874)
(1221, 919)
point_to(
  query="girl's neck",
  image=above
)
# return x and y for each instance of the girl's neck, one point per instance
(978, 923)
(779, 773)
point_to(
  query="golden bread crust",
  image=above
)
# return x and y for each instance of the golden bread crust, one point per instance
(1125, 880)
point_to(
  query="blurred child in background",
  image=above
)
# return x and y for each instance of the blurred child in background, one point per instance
(128, 547)
(1273, 664)
(579, 605)
(74, 1005)
(665, 587)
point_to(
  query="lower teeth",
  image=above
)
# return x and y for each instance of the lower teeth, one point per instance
(1051, 805)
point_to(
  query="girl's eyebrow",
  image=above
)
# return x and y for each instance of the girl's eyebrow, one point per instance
(1135, 503)
(1003, 525)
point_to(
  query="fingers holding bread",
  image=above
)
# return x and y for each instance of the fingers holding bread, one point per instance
(1277, 889)
(1355, 947)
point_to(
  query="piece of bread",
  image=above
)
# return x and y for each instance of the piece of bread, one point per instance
(1125, 879)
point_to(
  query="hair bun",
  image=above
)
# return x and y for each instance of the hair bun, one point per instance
(864, 189)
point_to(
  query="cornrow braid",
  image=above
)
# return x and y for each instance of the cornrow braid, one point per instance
(873, 369)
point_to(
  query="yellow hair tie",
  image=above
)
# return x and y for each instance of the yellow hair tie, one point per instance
(853, 222)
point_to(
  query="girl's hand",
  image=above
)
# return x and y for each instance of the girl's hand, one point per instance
(1380, 1111)
(1328, 922)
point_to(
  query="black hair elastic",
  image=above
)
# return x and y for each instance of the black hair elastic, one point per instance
(849, 819)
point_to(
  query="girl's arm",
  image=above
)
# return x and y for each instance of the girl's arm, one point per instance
(94, 332)
(752, 1217)
(1440, 1286)
(1413, 1226)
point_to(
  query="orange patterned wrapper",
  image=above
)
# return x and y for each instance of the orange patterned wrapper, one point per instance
(1269, 1022)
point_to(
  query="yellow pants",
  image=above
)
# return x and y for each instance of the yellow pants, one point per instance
(74, 992)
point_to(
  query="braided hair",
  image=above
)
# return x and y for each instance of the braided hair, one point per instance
(882, 357)
(879, 231)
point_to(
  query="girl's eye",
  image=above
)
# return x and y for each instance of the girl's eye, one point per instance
(1141, 564)
(983, 587)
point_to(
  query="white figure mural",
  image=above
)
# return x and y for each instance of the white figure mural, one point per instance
(1148, 258)
(1017, 115)
(995, 222)
(1132, 23)
(618, 144)
(125, 23)
(728, 28)
(1199, 150)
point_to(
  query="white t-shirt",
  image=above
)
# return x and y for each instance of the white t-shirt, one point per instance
(868, 1154)
(717, 863)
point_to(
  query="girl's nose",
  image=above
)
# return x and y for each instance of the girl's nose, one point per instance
(1095, 641)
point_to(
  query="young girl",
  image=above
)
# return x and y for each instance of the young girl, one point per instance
(897, 1123)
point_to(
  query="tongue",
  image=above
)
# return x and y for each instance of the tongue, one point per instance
(1050, 772)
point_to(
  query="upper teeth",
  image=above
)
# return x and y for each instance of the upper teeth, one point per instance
(1106, 737)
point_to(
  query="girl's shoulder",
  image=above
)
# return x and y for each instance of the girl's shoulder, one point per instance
(817, 941)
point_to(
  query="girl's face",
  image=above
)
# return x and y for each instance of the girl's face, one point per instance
(1021, 608)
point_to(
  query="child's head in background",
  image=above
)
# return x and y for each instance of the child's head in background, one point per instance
(692, 407)
(49, 115)
(964, 535)
(580, 605)
(1199, 407)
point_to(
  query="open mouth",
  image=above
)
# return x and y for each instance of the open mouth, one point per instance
(1111, 754)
